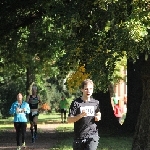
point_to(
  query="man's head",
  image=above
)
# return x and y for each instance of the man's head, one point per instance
(19, 97)
(87, 88)
(62, 97)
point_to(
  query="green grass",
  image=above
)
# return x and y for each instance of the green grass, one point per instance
(49, 118)
(105, 142)
(6, 124)
(108, 141)
(6, 121)
(46, 118)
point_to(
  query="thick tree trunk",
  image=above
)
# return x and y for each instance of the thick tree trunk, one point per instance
(134, 98)
(134, 94)
(142, 134)
(108, 119)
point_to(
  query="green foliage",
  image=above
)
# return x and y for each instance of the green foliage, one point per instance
(8, 95)
(53, 38)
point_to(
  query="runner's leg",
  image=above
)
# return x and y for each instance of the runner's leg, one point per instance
(23, 131)
(92, 143)
(31, 126)
(35, 119)
(64, 115)
(18, 129)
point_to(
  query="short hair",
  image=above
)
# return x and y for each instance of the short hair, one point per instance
(85, 82)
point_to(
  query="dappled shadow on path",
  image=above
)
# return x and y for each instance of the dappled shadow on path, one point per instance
(46, 139)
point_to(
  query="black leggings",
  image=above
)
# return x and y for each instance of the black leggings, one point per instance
(20, 130)
(63, 111)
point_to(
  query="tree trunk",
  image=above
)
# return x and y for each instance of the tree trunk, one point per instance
(134, 98)
(30, 73)
(141, 139)
(108, 119)
(134, 94)
(30, 79)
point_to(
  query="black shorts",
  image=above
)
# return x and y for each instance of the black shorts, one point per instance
(63, 110)
(87, 143)
(31, 117)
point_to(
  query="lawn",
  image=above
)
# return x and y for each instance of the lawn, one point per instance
(106, 142)
(65, 134)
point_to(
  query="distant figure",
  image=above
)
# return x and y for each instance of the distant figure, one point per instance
(125, 103)
(114, 100)
(125, 99)
(34, 101)
(119, 112)
(19, 109)
(63, 109)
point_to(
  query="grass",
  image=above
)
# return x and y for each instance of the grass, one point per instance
(108, 141)
(6, 124)
(49, 118)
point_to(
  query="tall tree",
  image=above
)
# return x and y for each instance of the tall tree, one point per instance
(94, 33)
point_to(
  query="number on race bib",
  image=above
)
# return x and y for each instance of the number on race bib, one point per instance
(88, 109)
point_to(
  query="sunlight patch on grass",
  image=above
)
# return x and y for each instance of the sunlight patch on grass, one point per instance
(49, 118)
(6, 127)
(65, 127)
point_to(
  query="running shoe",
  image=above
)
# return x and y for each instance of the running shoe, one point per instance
(35, 136)
(33, 140)
(24, 145)
(18, 148)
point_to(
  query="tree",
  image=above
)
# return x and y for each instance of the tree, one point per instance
(95, 35)
(127, 31)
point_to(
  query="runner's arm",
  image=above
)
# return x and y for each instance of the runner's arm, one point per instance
(27, 100)
(72, 119)
(98, 116)
(40, 102)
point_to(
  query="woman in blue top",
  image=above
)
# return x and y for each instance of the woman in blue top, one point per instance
(19, 109)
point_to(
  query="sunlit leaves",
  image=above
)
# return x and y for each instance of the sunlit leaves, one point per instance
(137, 30)
(75, 78)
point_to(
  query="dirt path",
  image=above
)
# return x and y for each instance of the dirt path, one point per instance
(47, 138)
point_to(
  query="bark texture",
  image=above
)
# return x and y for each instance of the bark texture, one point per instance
(134, 93)
(141, 139)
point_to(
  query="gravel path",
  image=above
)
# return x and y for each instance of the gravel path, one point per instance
(47, 138)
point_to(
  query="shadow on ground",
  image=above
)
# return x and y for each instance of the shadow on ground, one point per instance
(46, 140)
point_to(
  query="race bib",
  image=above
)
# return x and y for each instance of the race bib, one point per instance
(34, 113)
(20, 110)
(88, 109)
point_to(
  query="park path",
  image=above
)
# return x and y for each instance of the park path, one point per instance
(47, 138)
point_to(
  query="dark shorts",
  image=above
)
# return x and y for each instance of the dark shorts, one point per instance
(31, 117)
(86, 144)
(63, 110)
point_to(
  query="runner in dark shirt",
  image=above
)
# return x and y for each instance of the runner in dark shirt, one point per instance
(33, 101)
(84, 111)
